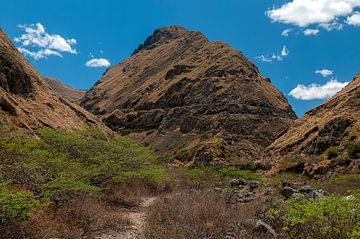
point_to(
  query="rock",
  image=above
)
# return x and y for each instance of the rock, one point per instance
(253, 184)
(263, 227)
(303, 192)
(306, 189)
(218, 190)
(234, 183)
(288, 192)
(323, 192)
(243, 181)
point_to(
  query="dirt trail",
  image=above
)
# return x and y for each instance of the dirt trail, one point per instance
(138, 221)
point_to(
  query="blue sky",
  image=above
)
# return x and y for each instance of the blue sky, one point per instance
(112, 29)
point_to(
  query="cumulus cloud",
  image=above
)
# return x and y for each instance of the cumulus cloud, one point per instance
(317, 91)
(37, 43)
(286, 32)
(324, 72)
(100, 62)
(354, 19)
(324, 13)
(309, 32)
(275, 57)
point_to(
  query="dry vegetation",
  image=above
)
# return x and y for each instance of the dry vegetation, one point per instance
(200, 215)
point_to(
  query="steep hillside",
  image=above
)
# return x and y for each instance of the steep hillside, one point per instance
(178, 89)
(335, 123)
(65, 91)
(27, 101)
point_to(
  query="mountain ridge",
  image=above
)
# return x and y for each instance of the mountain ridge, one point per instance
(177, 83)
(27, 101)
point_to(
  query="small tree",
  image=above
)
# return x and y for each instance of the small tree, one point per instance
(353, 150)
(331, 152)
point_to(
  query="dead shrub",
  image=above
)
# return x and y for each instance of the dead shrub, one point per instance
(199, 215)
(92, 217)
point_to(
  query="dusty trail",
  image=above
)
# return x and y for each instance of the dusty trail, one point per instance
(138, 221)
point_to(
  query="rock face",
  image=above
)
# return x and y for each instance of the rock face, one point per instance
(180, 87)
(27, 101)
(336, 123)
(65, 91)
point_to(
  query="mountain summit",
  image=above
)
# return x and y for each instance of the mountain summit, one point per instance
(179, 89)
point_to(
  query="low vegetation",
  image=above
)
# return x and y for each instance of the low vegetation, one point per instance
(198, 215)
(325, 217)
(353, 150)
(64, 175)
(80, 184)
(331, 152)
(206, 177)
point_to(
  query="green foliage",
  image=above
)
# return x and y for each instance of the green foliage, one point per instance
(331, 152)
(324, 217)
(210, 176)
(353, 150)
(15, 206)
(74, 163)
(232, 172)
(152, 174)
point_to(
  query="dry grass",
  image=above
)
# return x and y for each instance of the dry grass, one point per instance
(82, 218)
(199, 215)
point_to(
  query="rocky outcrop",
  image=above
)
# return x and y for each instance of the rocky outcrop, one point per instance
(335, 123)
(27, 101)
(179, 83)
(65, 91)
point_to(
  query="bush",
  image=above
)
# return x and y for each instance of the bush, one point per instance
(207, 177)
(353, 150)
(62, 165)
(15, 206)
(324, 217)
(331, 152)
(198, 215)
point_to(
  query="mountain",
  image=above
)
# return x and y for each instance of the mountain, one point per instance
(335, 123)
(179, 89)
(65, 91)
(27, 101)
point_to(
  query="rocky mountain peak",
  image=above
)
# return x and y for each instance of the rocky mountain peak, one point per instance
(164, 35)
(179, 88)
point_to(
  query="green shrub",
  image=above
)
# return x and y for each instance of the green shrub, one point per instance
(353, 150)
(73, 163)
(232, 172)
(151, 174)
(15, 206)
(324, 217)
(331, 152)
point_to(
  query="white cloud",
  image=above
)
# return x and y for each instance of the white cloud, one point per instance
(354, 19)
(39, 54)
(274, 57)
(303, 13)
(37, 43)
(317, 91)
(309, 32)
(101, 62)
(285, 52)
(286, 32)
(324, 72)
